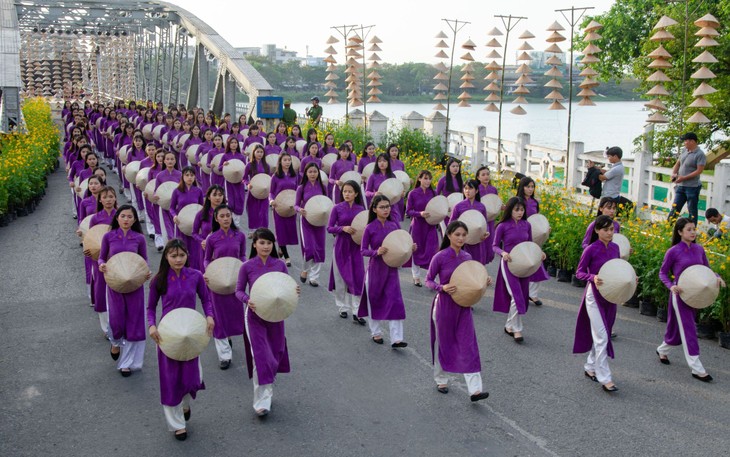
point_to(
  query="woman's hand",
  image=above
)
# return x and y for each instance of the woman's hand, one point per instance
(414, 247)
(425, 214)
(225, 163)
(154, 334)
(87, 252)
(338, 183)
(272, 203)
(102, 267)
(155, 199)
(299, 291)
(148, 275)
(176, 220)
(252, 305)
(597, 281)
(449, 289)
(71, 185)
(303, 212)
(349, 229)
(543, 257)
(382, 250)
(489, 281)
(485, 236)
(675, 289)
(202, 244)
(78, 232)
(720, 282)
(211, 325)
(249, 186)
(506, 257)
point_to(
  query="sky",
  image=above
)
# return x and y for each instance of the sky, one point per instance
(407, 28)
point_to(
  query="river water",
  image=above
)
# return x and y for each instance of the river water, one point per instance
(606, 124)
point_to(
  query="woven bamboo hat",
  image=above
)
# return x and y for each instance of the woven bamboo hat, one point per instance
(126, 272)
(215, 163)
(400, 248)
(190, 153)
(453, 199)
(391, 188)
(327, 161)
(318, 210)
(285, 203)
(540, 228)
(324, 178)
(123, 154)
(142, 178)
(82, 187)
(438, 209)
(300, 145)
(260, 186)
(84, 225)
(493, 204)
(181, 141)
(624, 245)
(157, 132)
(186, 217)
(183, 334)
(351, 176)
(404, 179)
(619, 281)
(164, 191)
(147, 132)
(470, 279)
(204, 164)
(359, 222)
(368, 170)
(149, 189)
(477, 225)
(296, 163)
(131, 169)
(526, 259)
(233, 171)
(92, 239)
(275, 296)
(222, 275)
(699, 286)
(272, 160)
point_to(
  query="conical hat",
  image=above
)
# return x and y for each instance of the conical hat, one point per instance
(92, 239)
(123, 154)
(540, 228)
(222, 275)
(275, 296)
(318, 210)
(272, 160)
(84, 225)
(493, 204)
(130, 171)
(186, 218)
(157, 132)
(126, 272)
(470, 279)
(164, 191)
(300, 145)
(327, 161)
(285, 203)
(699, 286)
(204, 164)
(438, 209)
(526, 259)
(324, 178)
(164, 139)
(296, 163)
(149, 189)
(476, 224)
(82, 187)
(233, 171)
(183, 334)
(351, 176)
(190, 153)
(260, 186)
(400, 248)
(147, 132)
(181, 141)
(404, 178)
(619, 281)
(391, 188)
(368, 170)
(624, 245)
(359, 222)
(453, 199)
(215, 163)
(141, 179)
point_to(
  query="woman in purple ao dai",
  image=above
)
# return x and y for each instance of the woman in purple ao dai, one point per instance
(257, 209)
(484, 177)
(684, 253)
(343, 164)
(313, 238)
(526, 191)
(472, 202)
(511, 292)
(187, 193)
(225, 241)
(203, 222)
(177, 285)
(424, 235)
(284, 178)
(266, 351)
(347, 271)
(381, 173)
(606, 207)
(454, 346)
(596, 314)
(235, 192)
(169, 174)
(381, 297)
(105, 211)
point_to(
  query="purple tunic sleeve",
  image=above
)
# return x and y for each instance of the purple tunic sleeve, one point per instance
(582, 271)
(496, 244)
(197, 225)
(666, 270)
(433, 270)
(202, 290)
(587, 237)
(104, 252)
(242, 284)
(332, 225)
(152, 299)
(174, 201)
(365, 244)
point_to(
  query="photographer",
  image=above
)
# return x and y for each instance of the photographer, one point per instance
(314, 112)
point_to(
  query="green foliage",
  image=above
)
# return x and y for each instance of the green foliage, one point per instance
(413, 141)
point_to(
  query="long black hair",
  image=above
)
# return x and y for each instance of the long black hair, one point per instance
(421, 174)
(253, 170)
(603, 202)
(374, 203)
(215, 226)
(677, 230)
(449, 181)
(524, 182)
(365, 148)
(105, 190)
(160, 279)
(263, 234)
(188, 169)
(305, 179)
(356, 187)
(279, 170)
(345, 147)
(474, 184)
(511, 204)
(136, 226)
(388, 170)
(451, 228)
(601, 223)
(207, 204)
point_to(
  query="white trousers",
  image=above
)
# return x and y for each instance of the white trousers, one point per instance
(514, 319)
(237, 219)
(395, 327)
(312, 268)
(262, 394)
(104, 323)
(473, 380)
(534, 289)
(175, 415)
(132, 354)
(345, 301)
(163, 229)
(692, 360)
(223, 348)
(597, 360)
(416, 271)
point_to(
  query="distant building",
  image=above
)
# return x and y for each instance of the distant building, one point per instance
(249, 51)
(312, 61)
(278, 55)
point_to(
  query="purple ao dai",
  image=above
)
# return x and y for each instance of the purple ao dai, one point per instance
(347, 254)
(424, 234)
(313, 238)
(381, 297)
(227, 310)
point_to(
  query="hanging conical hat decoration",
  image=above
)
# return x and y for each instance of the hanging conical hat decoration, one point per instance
(698, 118)
(186, 218)
(260, 186)
(92, 239)
(204, 166)
(222, 275)
(215, 163)
(318, 210)
(708, 20)
(157, 132)
(82, 187)
(131, 169)
(183, 334)
(618, 281)
(233, 171)
(164, 192)
(700, 102)
(476, 225)
(703, 73)
(190, 153)
(391, 188)
(123, 153)
(540, 228)
(351, 176)
(624, 245)
(368, 170)
(526, 259)
(493, 204)
(359, 222)
(705, 57)
(400, 248)
(470, 279)
(285, 201)
(126, 272)
(699, 286)
(664, 22)
(453, 199)
(147, 132)
(327, 161)
(84, 225)
(518, 110)
(275, 296)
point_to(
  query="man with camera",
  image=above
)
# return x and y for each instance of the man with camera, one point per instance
(686, 177)
(314, 112)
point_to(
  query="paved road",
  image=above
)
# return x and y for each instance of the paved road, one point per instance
(345, 396)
